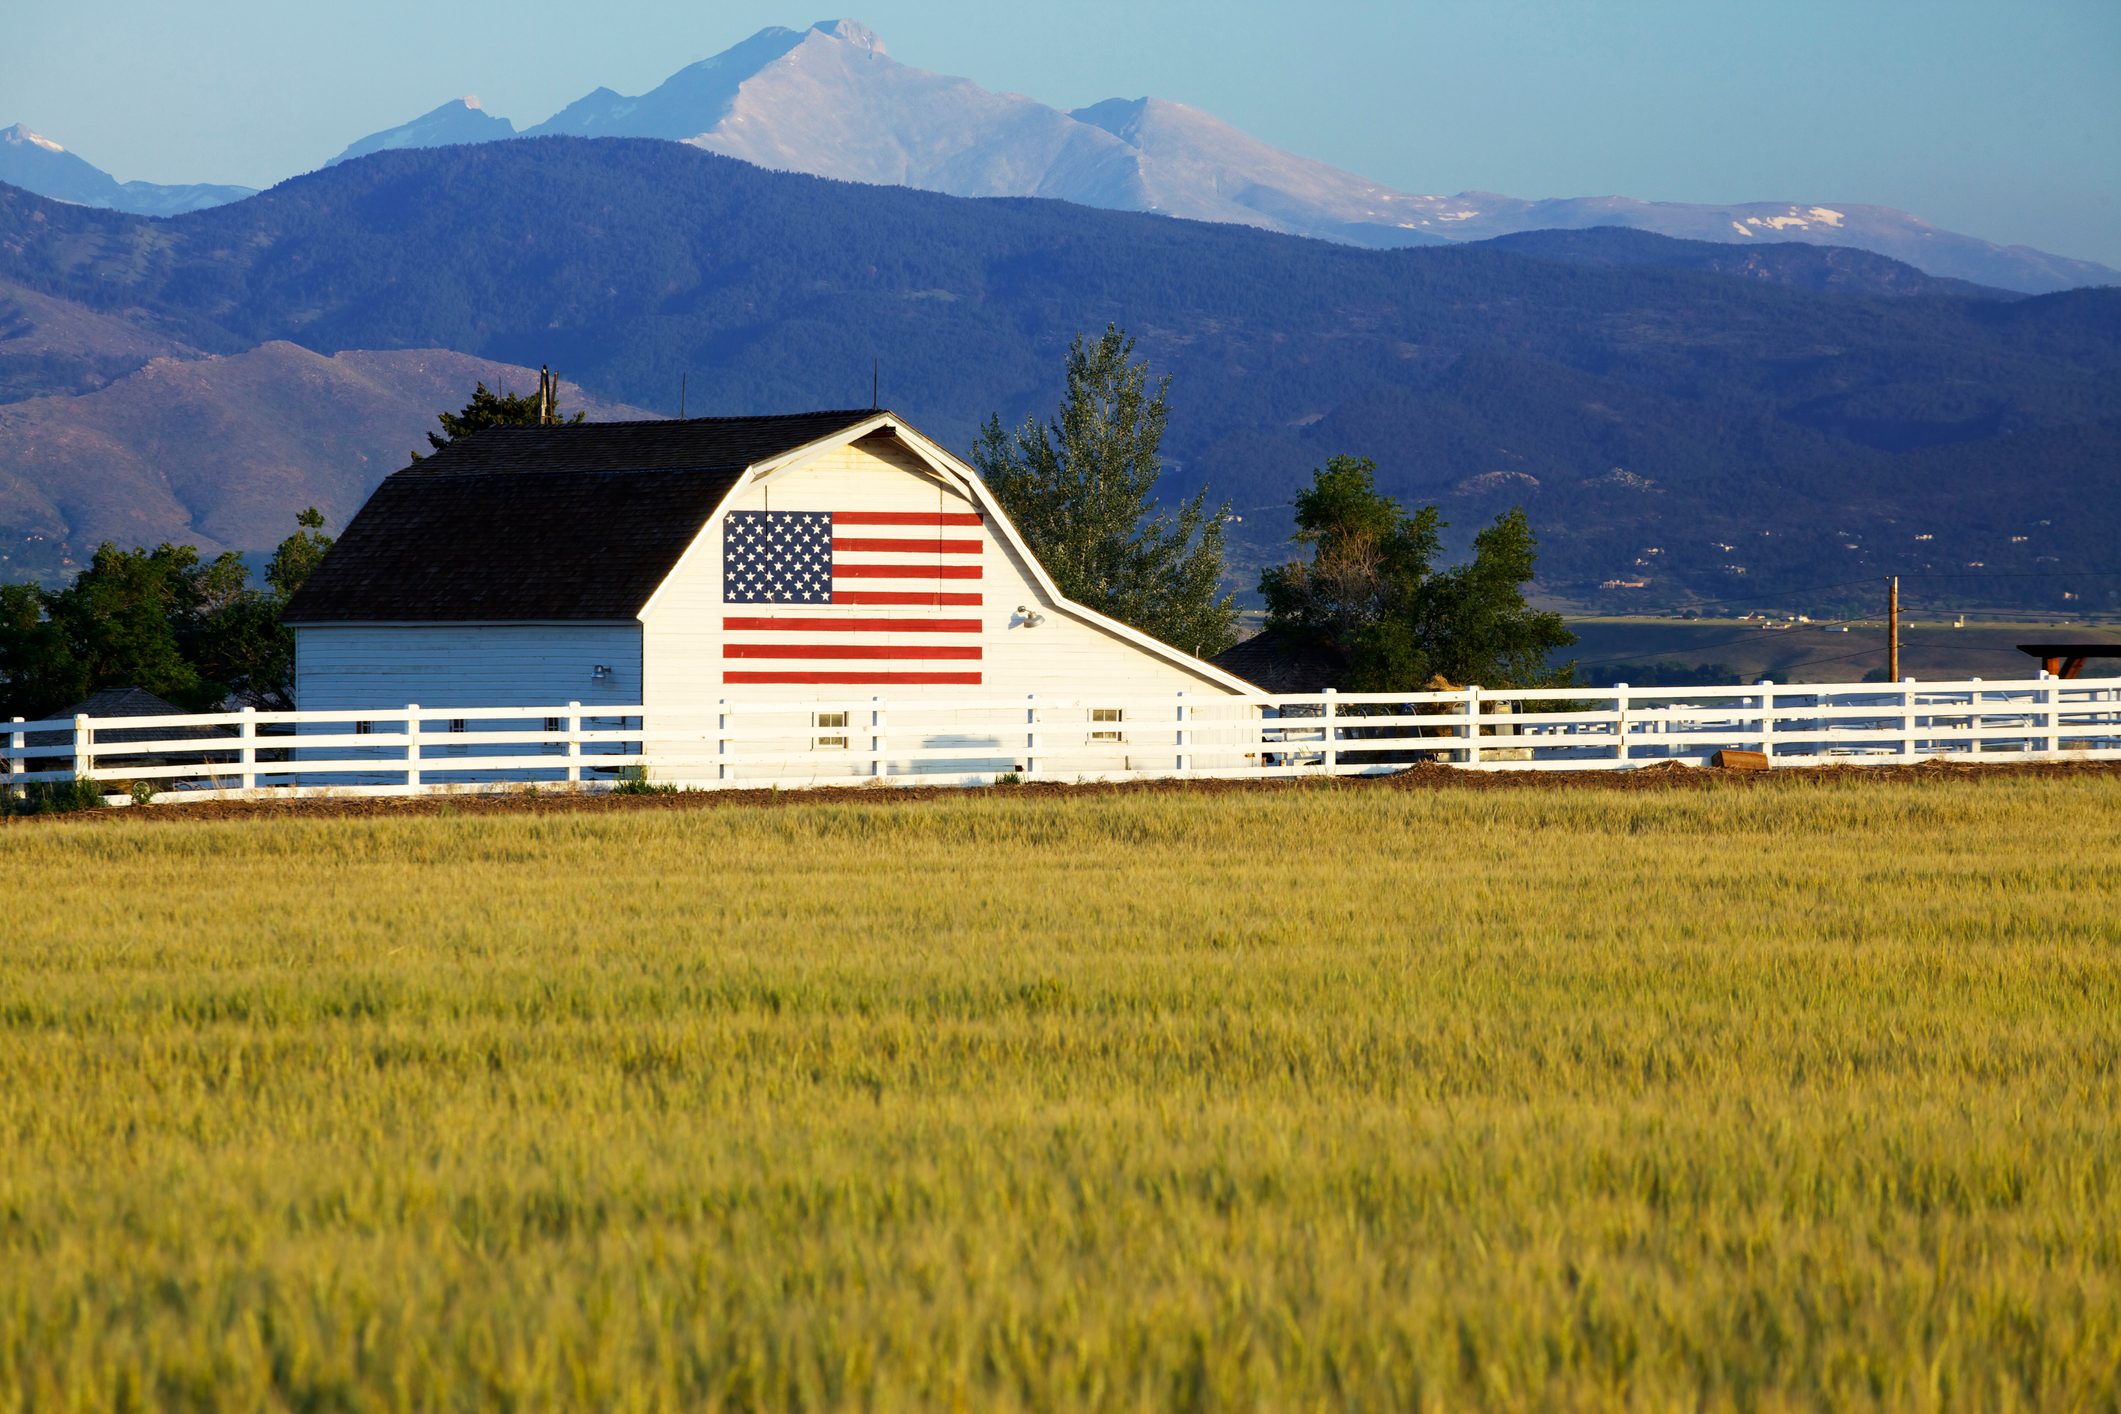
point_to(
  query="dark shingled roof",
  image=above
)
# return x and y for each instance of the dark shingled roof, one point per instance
(577, 521)
(124, 702)
(1280, 664)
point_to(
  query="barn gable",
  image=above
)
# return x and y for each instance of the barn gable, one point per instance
(933, 589)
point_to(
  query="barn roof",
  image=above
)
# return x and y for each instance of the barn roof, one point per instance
(578, 521)
(1281, 663)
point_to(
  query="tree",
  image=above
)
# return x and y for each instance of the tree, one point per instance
(297, 556)
(1081, 490)
(166, 620)
(1370, 596)
(503, 409)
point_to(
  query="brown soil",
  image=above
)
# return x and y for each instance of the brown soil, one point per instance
(1431, 776)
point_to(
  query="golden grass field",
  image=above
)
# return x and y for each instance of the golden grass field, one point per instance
(1765, 1095)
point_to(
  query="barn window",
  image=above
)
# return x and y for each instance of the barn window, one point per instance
(552, 724)
(1107, 714)
(456, 724)
(363, 728)
(826, 722)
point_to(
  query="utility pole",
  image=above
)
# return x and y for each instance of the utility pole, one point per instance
(1892, 628)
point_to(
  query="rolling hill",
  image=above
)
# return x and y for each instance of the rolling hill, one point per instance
(220, 452)
(1708, 431)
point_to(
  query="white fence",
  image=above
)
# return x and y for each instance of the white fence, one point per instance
(929, 741)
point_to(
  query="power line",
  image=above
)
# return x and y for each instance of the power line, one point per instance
(1604, 662)
(1755, 598)
(1837, 658)
(2017, 574)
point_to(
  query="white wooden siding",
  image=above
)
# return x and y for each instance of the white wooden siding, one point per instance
(1060, 657)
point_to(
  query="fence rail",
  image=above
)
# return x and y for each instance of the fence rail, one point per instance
(414, 749)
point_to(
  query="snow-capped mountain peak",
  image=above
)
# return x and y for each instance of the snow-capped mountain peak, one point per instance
(853, 32)
(18, 135)
(830, 100)
(34, 162)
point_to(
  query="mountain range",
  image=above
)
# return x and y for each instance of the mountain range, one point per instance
(1684, 421)
(832, 102)
(35, 163)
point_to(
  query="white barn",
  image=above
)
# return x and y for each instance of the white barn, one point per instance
(692, 568)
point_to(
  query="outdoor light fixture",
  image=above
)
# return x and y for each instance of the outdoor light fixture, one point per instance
(600, 673)
(1031, 617)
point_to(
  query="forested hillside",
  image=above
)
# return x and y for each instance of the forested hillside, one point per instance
(1713, 432)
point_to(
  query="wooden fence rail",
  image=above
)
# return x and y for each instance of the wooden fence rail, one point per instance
(414, 749)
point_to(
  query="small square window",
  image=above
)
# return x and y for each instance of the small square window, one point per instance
(1108, 714)
(363, 728)
(826, 722)
(552, 724)
(456, 724)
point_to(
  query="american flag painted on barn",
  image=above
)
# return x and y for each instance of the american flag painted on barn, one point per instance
(790, 578)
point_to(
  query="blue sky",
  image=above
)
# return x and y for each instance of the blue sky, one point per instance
(1999, 119)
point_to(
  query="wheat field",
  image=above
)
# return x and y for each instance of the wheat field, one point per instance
(1316, 1098)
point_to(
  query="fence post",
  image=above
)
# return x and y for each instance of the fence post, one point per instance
(1620, 722)
(84, 750)
(1332, 752)
(876, 737)
(247, 755)
(574, 743)
(412, 746)
(1473, 726)
(16, 741)
(1907, 717)
(1767, 719)
(2051, 732)
(722, 749)
(1179, 736)
(1030, 734)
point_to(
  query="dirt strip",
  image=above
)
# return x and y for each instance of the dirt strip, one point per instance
(549, 800)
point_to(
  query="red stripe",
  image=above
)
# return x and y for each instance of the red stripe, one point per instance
(969, 679)
(844, 546)
(850, 650)
(904, 518)
(906, 572)
(823, 625)
(894, 596)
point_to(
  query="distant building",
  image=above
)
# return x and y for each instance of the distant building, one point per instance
(123, 702)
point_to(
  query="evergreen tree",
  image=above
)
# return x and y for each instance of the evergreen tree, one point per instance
(1370, 596)
(1081, 489)
(503, 409)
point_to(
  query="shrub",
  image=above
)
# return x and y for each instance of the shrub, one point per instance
(633, 780)
(58, 797)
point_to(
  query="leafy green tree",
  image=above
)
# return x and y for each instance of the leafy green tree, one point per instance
(298, 556)
(502, 409)
(1371, 597)
(119, 623)
(182, 627)
(1081, 489)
